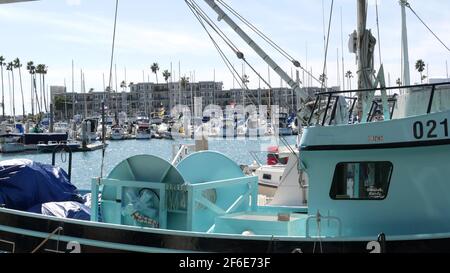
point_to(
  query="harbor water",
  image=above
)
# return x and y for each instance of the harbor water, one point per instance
(87, 165)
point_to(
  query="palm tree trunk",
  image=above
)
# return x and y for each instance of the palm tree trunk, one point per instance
(36, 94)
(21, 92)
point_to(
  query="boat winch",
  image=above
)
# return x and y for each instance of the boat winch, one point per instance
(147, 191)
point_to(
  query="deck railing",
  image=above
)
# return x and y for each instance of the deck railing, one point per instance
(331, 101)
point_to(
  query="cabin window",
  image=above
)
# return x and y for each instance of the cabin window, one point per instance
(267, 176)
(361, 181)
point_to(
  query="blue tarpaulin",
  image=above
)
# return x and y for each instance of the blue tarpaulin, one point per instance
(71, 210)
(25, 184)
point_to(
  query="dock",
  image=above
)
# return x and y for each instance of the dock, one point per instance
(91, 147)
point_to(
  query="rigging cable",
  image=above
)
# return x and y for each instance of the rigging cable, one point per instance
(432, 32)
(327, 43)
(257, 31)
(110, 84)
(214, 27)
(233, 71)
(200, 14)
(267, 39)
(195, 9)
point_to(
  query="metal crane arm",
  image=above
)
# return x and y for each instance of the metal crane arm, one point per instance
(293, 84)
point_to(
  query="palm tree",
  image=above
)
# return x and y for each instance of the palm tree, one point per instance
(166, 74)
(184, 82)
(349, 76)
(420, 67)
(2, 63)
(10, 67)
(155, 69)
(41, 69)
(123, 85)
(32, 70)
(46, 98)
(18, 65)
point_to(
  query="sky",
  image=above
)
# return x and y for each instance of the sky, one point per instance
(55, 32)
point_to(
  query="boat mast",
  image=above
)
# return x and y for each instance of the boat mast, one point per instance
(406, 81)
(365, 43)
(361, 29)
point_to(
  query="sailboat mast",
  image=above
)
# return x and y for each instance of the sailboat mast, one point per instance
(405, 51)
(361, 29)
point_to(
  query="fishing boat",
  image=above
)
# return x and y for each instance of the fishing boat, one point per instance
(356, 172)
(378, 185)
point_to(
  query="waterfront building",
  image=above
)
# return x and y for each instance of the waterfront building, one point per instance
(150, 97)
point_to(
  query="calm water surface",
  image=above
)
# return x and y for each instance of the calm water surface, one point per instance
(87, 165)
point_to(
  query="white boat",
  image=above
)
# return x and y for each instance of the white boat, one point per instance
(9, 143)
(61, 127)
(143, 131)
(271, 173)
(117, 133)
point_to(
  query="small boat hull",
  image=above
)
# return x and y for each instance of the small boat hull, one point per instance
(12, 147)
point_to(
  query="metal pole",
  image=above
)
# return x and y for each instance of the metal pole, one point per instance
(361, 29)
(406, 80)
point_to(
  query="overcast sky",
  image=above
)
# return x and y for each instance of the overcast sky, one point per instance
(54, 32)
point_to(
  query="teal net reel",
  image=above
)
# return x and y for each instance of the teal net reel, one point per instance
(218, 187)
(135, 192)
(147, 191)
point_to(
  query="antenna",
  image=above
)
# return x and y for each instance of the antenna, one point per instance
(342, 53)
(338, 77)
